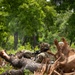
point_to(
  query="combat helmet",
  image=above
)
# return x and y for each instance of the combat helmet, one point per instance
(44, 47)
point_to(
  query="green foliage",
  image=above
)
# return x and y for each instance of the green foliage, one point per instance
(31, 18)
(27, 72)
(37, 18)
(53, 49)
(3, 34)
(62, 24)
(36, 48)
(5, 68)
(9, 44)
(36, 21)
(28, 46)
(50, 15)
(1, 48)
(73, 45)
(21, 48)
(12, 51)
(1, 70)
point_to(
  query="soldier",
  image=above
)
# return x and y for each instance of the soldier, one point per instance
(44, 47)
(45, 52)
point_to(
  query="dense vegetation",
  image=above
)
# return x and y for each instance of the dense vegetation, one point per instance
(30, 22)
(26, 23)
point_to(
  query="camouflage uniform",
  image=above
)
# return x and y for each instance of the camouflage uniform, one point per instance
(45, 53)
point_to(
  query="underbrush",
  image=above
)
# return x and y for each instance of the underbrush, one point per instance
(5, 68)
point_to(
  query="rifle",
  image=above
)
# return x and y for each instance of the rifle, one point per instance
(37, 52)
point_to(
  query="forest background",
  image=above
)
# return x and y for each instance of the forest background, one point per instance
(29, 22)
(24, 24)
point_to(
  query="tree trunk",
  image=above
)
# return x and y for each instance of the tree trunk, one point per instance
(21, 64)
(15, 40)
(24, 40)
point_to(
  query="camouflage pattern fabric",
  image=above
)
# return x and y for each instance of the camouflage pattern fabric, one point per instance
(43, 55)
